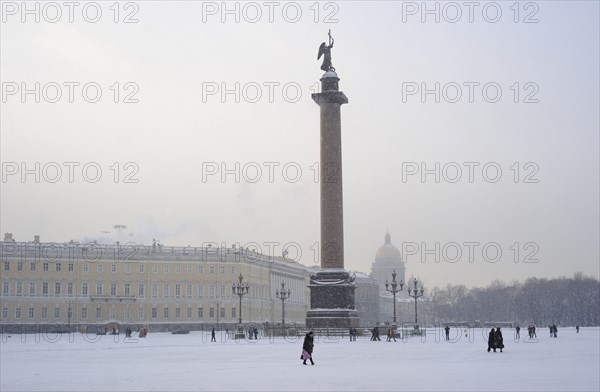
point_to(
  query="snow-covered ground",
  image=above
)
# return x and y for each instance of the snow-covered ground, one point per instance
(164, 361)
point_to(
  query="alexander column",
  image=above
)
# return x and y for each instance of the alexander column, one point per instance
(332, 288)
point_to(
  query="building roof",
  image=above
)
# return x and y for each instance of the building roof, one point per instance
(387, 250)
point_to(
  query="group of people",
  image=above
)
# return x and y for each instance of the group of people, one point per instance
(353, 334)
(253, 333)
(495, 340)
(531, 330)
(375, 334)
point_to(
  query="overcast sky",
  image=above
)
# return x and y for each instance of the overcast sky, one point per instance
(162, 157)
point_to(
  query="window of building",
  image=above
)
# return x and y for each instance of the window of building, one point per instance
(5, 287)
(201, 290)
(126, 312)
(153, 313)
(141, 289)
(7, 266)
(31, 288)
(189, 269)
(222, 269)
(177, 312)
(99, 268)
(18, 312)
(140, 313)
(154, 290)
(154, 268)
(189, 313)
(45, 288)
(166, 313)
(211, 313)
(86, 267)
(99, 288)
(233, 312)
(166, 268)
(57, 288)
(44, 312)
(166, 290)
(113, 268)
(189, 292)
(20, 266)
(84, 289)
(32, 267)
(98, 312)
(177, 290)
(223, 291)
(46, 267)
(222, 315)
(56, 312)
(71, 267)
(233, 269)
(4, 312)
(177, 269)
(19, 288)
(141, 268)
(112, 313)
(113, 289)
(200, 312)
(70, 288)
(211, 270)
(127, 289)
(127, 268)
(201, 269)
(31, 313)
(84, 312)
(58, 267)
(211, 290)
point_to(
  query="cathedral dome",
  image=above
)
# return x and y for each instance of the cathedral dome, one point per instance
(387, 250)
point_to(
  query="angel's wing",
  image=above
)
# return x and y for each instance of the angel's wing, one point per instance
(321, 50)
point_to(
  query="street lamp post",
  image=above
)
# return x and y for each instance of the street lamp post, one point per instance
(394, 290)
(240, 289)
(283, 295)
(415, 293)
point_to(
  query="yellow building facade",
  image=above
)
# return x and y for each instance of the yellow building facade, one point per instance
(158, 286)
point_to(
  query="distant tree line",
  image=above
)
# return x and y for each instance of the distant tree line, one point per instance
(561, 301)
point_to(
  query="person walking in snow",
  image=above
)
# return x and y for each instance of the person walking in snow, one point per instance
(213, 335)
(447, 329)
(499, 340)
(492, 340)
(518, 332)
(307, 348)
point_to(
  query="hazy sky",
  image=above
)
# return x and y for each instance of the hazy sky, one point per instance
(169, 148)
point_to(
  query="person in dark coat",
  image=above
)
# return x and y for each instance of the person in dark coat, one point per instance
(447, 329)
(212, 336)
(307, 348)
(492, 340)
(499, 340)
(518, 332)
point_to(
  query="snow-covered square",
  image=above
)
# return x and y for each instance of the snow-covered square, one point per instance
(164, 361)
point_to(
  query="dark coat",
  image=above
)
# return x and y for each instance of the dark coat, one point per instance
(492, 340)
(498, 339)
(308, 343)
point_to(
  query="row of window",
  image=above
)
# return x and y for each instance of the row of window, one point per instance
(166, 290)
(112, 313)
(114, 268)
